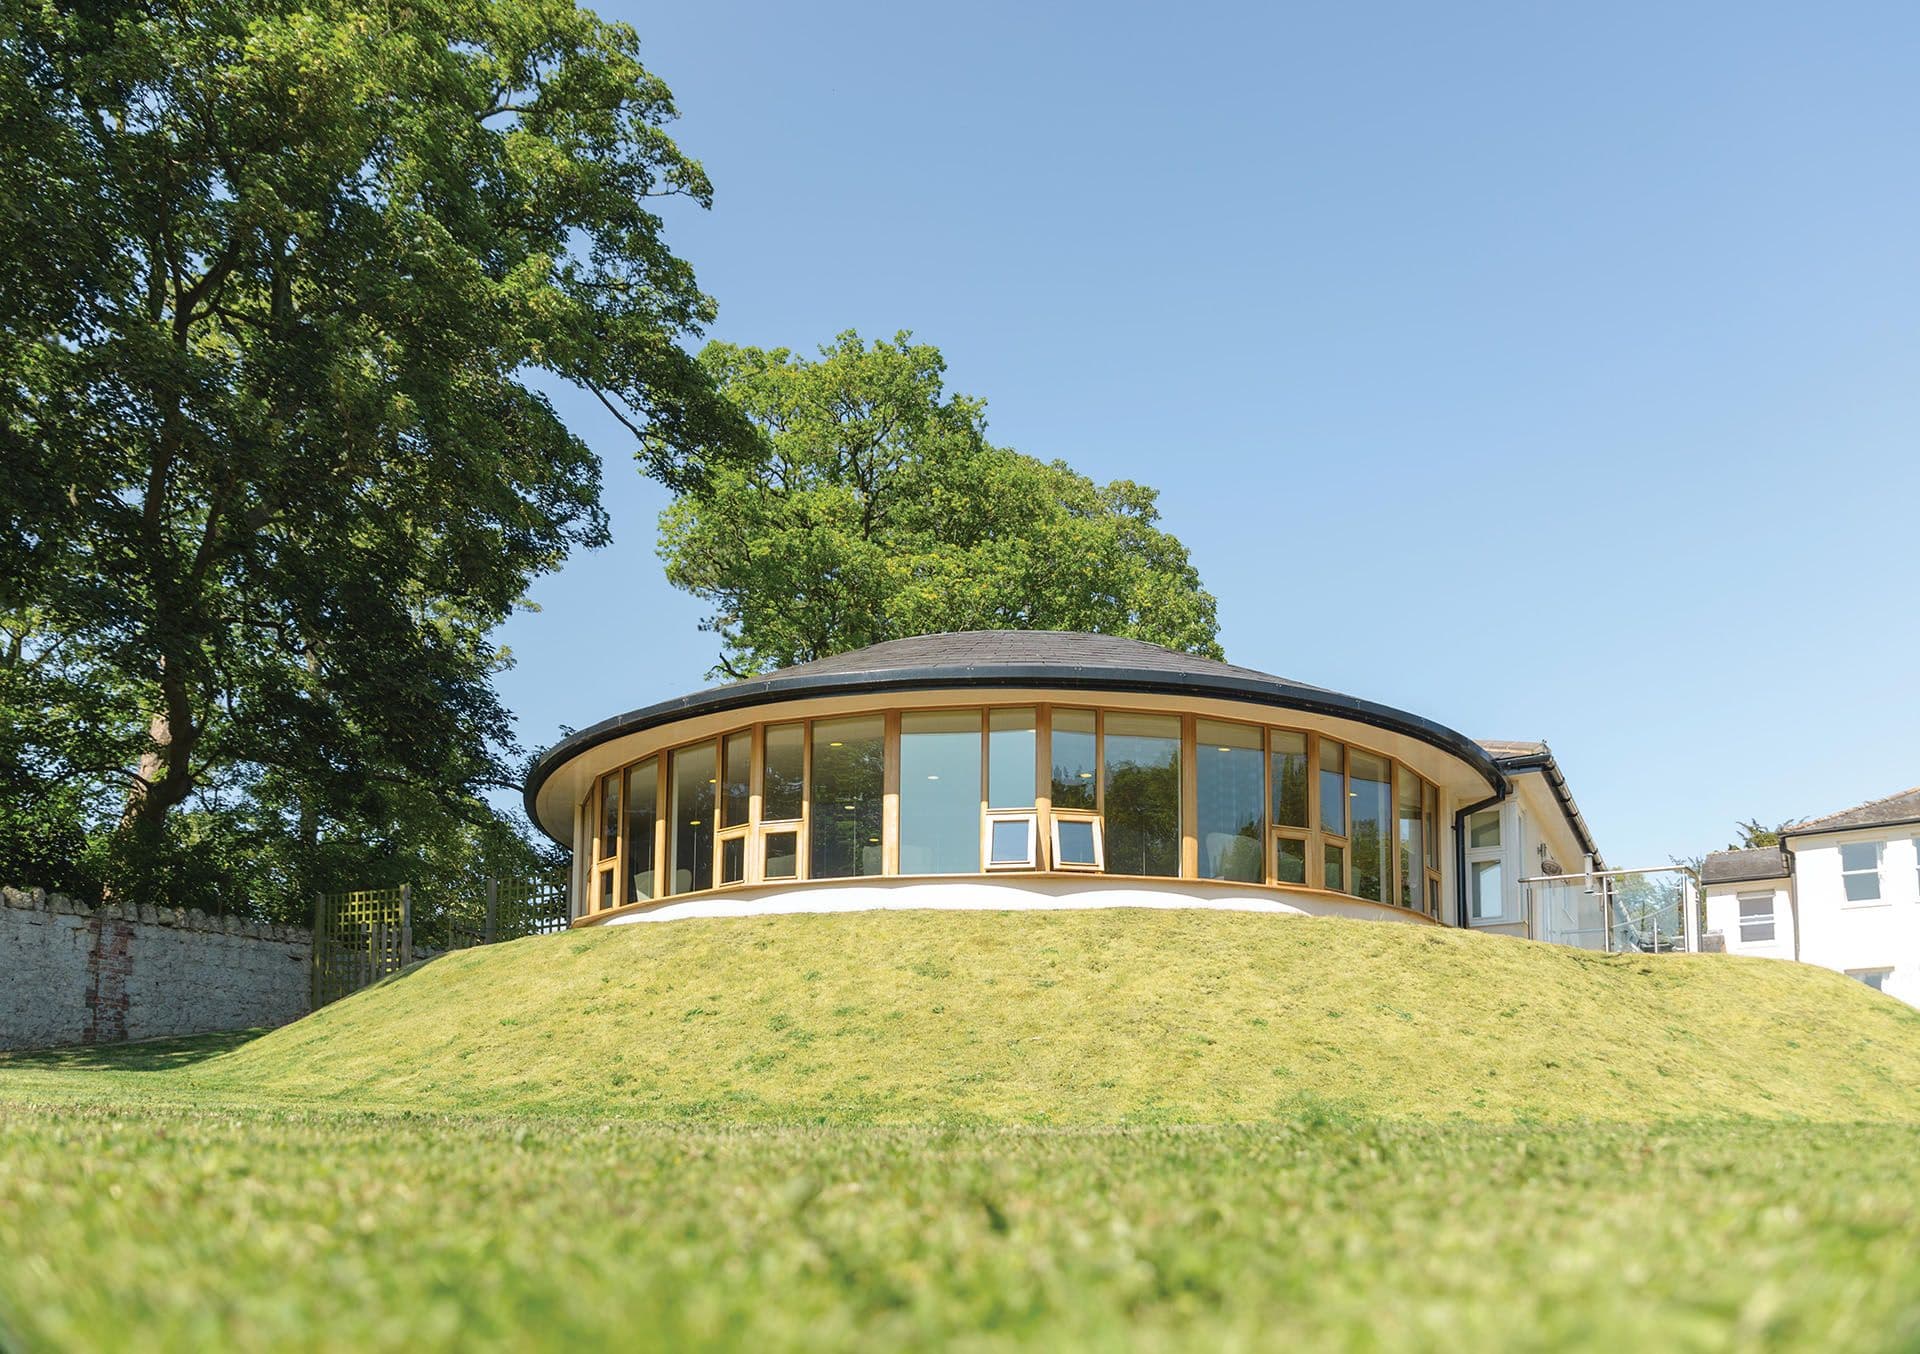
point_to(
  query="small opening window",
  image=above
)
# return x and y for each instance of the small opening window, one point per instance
(1011, 841)
(782, 855)
(1756, 917)
(1290, 860)
(1860, 871)
(1876, 978)
(733, 859)
(1077, 844)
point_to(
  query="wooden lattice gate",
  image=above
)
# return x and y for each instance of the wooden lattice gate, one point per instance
(359, 938)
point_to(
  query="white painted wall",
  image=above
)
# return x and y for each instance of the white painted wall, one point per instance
(1838, 934)
(1723, 915)
(1530, 818)
(1009, 894)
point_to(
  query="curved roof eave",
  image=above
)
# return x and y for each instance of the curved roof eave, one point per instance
(800, 685)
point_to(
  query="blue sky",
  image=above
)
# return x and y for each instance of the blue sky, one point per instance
(1551, 372)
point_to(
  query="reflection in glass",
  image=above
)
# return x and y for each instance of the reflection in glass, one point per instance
(1142, 806)
(1289, 778)
(643, 808)
(609, 816)
(1075, 759)
(691, 774)
(1333, 788)
(782, 784)
(1074, 842)
(1370, 791)
(1432, 815)
(1010, 759)
(733, 860)
(1334, 874)
(1483, 828)
(1229, 789)
(940, 792)
(1010, 841)
(848, 789)
(1290, 860)
(736, 778)
(783, 855)
(1413, 874)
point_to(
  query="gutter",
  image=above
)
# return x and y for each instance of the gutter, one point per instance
(1543, 761)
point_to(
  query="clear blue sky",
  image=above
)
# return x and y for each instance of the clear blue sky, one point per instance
(1550, 371)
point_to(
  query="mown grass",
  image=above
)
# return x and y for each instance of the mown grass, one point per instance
(1112, 1017)
(179, 1229)
(1077, 1131)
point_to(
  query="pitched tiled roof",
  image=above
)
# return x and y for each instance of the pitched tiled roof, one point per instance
(1512, 754)
(1898, 808)
(1738, 867)
(1504, 748)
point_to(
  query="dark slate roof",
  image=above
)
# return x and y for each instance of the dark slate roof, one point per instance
(1514, 754)
(1739, 867)
(1014, 658)
(1889, 812)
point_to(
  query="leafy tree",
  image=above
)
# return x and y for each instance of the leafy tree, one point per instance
(876, 508)
(274, 278)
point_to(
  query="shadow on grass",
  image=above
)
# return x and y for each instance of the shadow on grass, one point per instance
(148, 1055)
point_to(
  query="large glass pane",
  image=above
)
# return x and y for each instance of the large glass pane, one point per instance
(1433, 827)
(1289, 778)
(1010, 759)
(1333, 788)
(736, 778)
(1483, 893)
(848, 788)
(691, 776)
(1370, 791)
(609, 817)
(1142, 808)
(1413, 856)
(643, 808)
(940, 792)
(1290, 860)
(782, 786)
(1075, 759)
(1229, 793)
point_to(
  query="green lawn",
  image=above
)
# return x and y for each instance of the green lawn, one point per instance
(274, 1194)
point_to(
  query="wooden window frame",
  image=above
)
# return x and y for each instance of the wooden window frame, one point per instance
(1099, 865)
(1031, 818)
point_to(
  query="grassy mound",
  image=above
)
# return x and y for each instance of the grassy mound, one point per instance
(1091, 1017)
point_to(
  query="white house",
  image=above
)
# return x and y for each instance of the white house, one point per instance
(1841, 891)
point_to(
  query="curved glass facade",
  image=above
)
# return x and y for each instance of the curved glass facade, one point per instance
(977, 788)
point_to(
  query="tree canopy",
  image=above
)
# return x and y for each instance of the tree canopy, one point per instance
(275, 281)
(875, 507)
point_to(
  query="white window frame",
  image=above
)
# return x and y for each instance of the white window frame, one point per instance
(1482, 855)
(1879, 884)
(1032, 821)
(1099, 864)
(1770, 920)
(1862, 975)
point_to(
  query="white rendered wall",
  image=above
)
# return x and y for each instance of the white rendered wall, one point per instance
(1009, 894)
(1723, 915)
(1837, 934)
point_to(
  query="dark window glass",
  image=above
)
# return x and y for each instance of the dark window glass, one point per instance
(691, 773)
(1289, 778)
(1229, 790)
(1010, 759)
(1290, 861)
(1075, 837)
(733, 860)
(783, 855)
(736, 778)
(1335, 874)
(643, 808)
(609, 845)
(607, 898)
(782, 789)
(849, 778)
(1370, 787)
(940, 792)
(1142, 806)
(1075, 759)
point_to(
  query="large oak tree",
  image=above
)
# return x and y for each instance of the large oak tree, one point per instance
(875, 507)
(276, 281)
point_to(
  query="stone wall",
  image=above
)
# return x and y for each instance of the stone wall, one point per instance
(75, 974)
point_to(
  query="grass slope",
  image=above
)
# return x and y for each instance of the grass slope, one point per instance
(1104, 1017)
